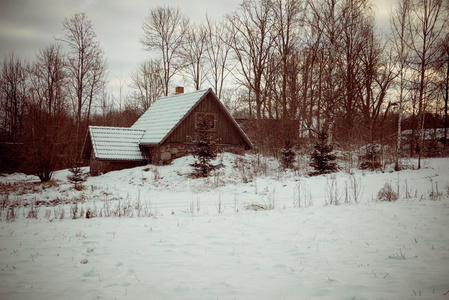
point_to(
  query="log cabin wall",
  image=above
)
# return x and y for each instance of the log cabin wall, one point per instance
(225, 132)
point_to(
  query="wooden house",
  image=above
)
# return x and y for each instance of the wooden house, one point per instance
(163, 133)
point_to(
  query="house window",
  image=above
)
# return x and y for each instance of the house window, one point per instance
(206, 121)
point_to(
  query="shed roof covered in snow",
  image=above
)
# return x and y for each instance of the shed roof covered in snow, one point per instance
(114, 143)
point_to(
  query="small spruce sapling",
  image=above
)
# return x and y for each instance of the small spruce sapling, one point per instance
(204, 151)
(288, 159)
(322, 157)
(77, 176)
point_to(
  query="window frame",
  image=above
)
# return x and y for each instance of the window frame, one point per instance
(206, 114)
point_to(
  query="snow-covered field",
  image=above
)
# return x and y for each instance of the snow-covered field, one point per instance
(236, 235)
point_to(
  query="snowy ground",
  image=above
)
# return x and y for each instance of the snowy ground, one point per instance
(272, 235)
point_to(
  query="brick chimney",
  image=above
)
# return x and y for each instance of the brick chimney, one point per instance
(179, 90)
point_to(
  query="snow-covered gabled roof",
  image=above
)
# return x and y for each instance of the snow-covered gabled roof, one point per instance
(165, 114)
(116, 143)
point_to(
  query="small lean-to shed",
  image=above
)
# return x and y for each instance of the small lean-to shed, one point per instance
(112, 148)
(163, 133)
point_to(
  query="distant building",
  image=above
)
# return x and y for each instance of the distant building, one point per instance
(163, 133)
(433, 141)
(436, 134)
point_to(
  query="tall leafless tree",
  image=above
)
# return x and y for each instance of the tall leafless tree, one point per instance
(218, 55)
(311, 73)
(377, 76)
(445, 66)
(147, 82)
(442, 67)
(48, 81)
(325, 17)
(355, 15)
(48, 124)
(165, 30)
(86, 68)
(428, 20)
(13, 97)
(252, 31)
(193, 54)
(400, 23)
(289, 19)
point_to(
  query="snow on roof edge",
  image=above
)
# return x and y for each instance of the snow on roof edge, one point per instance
(105, 147)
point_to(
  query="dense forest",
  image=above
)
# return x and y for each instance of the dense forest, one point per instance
(289, 70)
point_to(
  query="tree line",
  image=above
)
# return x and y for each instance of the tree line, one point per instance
(320, 66)
(46, 104)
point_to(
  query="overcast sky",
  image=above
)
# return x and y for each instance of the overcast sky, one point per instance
(29, 25)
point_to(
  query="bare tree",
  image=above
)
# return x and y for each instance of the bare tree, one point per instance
(297, 85)
(309, 61)
(48, 124)
(399, 23)
(96, 82)
(120, 99)
(86, 67)
(445, 64)
(194, 56)
(13, 97)
(218, 55)
(289, 17)
(165, 30)
(148, 83)
(48, 80)
(251, 30)
(428, 20)
(106, 106)
(271, 75)
(325, 17)
(442, 69)
(377, 77)
(355, 14)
